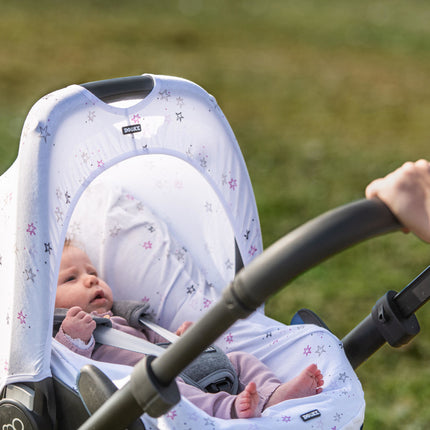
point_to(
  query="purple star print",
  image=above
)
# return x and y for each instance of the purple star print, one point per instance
(135, 118)
(233, 184)
(147, 245)
(171, 415)
(229, 338)
(31, 229)
(22, 317)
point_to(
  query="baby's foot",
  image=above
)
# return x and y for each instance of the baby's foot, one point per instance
(246, 402)
(307, 383)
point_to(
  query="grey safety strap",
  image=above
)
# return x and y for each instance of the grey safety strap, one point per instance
(114, 337)
(211, 372)
(168, 335)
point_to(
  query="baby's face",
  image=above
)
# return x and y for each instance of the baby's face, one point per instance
(79, 284)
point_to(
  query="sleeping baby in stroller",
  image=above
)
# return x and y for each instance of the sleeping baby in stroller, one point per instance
(82, 292)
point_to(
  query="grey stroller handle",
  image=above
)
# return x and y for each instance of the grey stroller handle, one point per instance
(310, 244)
(130, 87)
(152, 387)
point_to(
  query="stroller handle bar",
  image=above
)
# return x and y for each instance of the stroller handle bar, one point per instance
(310, 244)
(152, 387)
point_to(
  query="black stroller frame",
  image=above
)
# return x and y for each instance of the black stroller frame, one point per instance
(152, 388)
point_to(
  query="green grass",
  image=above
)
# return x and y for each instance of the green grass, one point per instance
(322, 96)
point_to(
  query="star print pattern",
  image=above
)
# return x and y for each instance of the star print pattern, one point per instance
(191, 289)
(164, 95)
(209, 422)
(337, 417)
(91, 115)
(115, 230)
(85, 157)
(67, 197)
(59, 214)
(44, 134)
(343, 376)
(147, 245)
(229, 338)
(149, 226)
(180, 254)
(29, 275)
(320, 350)
(31, 229)
(22, 317)
(171, 414)
(307, 350)
(136, 118)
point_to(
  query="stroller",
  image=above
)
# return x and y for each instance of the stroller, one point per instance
(146, 173)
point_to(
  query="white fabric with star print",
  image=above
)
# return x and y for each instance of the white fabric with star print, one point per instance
(196, 195)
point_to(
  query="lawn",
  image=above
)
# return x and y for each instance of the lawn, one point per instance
(322, 96)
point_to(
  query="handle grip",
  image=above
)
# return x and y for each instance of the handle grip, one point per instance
(130, 87)
(310, 244)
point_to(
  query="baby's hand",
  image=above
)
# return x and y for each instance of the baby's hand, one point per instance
(183, 328)
(78, 324)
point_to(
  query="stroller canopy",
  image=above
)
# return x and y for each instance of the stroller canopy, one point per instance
(69, 138)
(160, 195)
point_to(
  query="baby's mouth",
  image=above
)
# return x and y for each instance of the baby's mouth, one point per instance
(98, 296)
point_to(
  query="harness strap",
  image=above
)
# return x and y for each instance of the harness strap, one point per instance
(110, 336)
(168, 335)
(210, 372)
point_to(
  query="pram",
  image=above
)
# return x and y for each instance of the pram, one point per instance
(188, 225)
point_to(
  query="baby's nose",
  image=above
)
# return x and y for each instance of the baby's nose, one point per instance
(91, 280)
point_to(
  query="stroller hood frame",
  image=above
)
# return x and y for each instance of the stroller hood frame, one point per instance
(57, 161)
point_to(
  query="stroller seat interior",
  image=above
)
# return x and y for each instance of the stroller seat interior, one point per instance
(155, 189)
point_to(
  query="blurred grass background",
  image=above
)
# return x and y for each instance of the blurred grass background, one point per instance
(322, 96)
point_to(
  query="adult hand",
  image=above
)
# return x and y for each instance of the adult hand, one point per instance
(406, 191)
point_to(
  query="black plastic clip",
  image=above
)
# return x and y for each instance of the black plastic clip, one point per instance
(394, 327)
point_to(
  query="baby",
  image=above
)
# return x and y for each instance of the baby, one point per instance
(82, 292)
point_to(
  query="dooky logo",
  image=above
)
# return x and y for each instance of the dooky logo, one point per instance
(16, 424)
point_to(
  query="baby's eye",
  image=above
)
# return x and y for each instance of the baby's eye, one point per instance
(69, 279)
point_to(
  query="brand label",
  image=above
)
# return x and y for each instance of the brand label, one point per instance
(130, 129)
(310, 415)
(16, 424)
